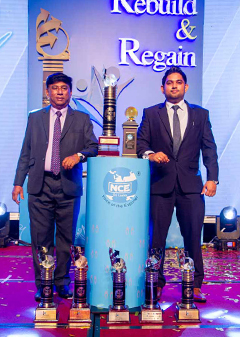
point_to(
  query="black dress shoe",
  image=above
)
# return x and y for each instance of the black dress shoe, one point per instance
(38, 295)
(64, 291)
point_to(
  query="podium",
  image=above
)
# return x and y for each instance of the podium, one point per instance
(117, 216)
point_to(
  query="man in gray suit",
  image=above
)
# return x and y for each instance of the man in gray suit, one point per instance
(172, 135)
(57, 140)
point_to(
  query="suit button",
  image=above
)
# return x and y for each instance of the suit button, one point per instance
(176, 160)
(43, 159)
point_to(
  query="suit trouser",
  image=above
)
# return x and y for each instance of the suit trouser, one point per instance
(190, 210)
(46, 209)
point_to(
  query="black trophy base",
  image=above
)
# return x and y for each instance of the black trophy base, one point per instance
(116, 316)
(184, 315)
(80, 317)
(151, 315)
(45, 317)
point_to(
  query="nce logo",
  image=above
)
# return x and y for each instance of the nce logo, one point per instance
(120, 185)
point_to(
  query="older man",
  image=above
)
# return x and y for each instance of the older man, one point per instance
(57, 140)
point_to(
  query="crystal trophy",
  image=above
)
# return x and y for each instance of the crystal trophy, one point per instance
(46, 311)
(151, 311)
(187, 310)
(79, 314)
(118, 312)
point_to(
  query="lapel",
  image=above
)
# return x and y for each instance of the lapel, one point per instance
(191, 118)
(45, 119)
(68, 121)
(162, 111)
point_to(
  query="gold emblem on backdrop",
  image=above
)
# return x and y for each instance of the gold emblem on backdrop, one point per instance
(45, 37)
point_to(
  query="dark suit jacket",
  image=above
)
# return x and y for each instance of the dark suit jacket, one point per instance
(77, 136)
(155, 134)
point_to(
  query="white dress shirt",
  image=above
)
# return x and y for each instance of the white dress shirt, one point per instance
(52, 119)
(183, 119)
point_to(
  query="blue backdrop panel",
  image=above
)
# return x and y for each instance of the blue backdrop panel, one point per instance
(117, 216)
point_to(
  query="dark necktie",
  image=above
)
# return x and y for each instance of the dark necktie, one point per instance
(55, 161)
(176, 131)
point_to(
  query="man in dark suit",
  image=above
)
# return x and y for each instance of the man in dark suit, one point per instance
(172, 135)
(57, 140)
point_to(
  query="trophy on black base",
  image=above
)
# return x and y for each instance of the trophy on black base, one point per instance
(187, 310)
(118, 312)
(46, 312)
(109, 142)
(151, 311)
(130, 133)
(79, 315)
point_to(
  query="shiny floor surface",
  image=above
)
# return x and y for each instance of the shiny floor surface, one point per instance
(220, 316)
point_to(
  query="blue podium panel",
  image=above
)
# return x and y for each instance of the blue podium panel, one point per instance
(117, 216)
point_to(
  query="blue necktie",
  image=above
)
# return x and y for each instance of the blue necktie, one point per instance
(176, 131)
(55, 161)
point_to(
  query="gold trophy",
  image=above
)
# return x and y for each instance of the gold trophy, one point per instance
(79, 315)
(151, 311)
(118, 312)
(46, 312)
(130, 133)
(187, 310)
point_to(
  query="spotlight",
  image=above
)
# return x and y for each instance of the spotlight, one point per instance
(4, 225)
(228, 229)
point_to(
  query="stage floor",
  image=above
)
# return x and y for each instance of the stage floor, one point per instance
(220, 316)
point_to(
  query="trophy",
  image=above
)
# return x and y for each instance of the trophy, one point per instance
(130, 133)
(118, 312)
(108, 142)
(46, 312)
(151, 311)
(187, 310)
(79, 315)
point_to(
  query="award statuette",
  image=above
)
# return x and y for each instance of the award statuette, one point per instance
(108, 143)
(130, 133)
(79, 315)
(46, 312)
(187, 310)
(151, 311)
(118, 312)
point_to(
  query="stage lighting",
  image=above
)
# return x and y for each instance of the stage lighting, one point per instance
(228, 229)
(4, 225)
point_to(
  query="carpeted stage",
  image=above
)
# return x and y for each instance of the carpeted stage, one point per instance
(220, 316)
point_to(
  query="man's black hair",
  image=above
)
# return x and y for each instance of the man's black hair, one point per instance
(59, 77)
(174, 70)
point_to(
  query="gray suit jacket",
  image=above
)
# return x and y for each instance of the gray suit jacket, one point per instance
(77, 136)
